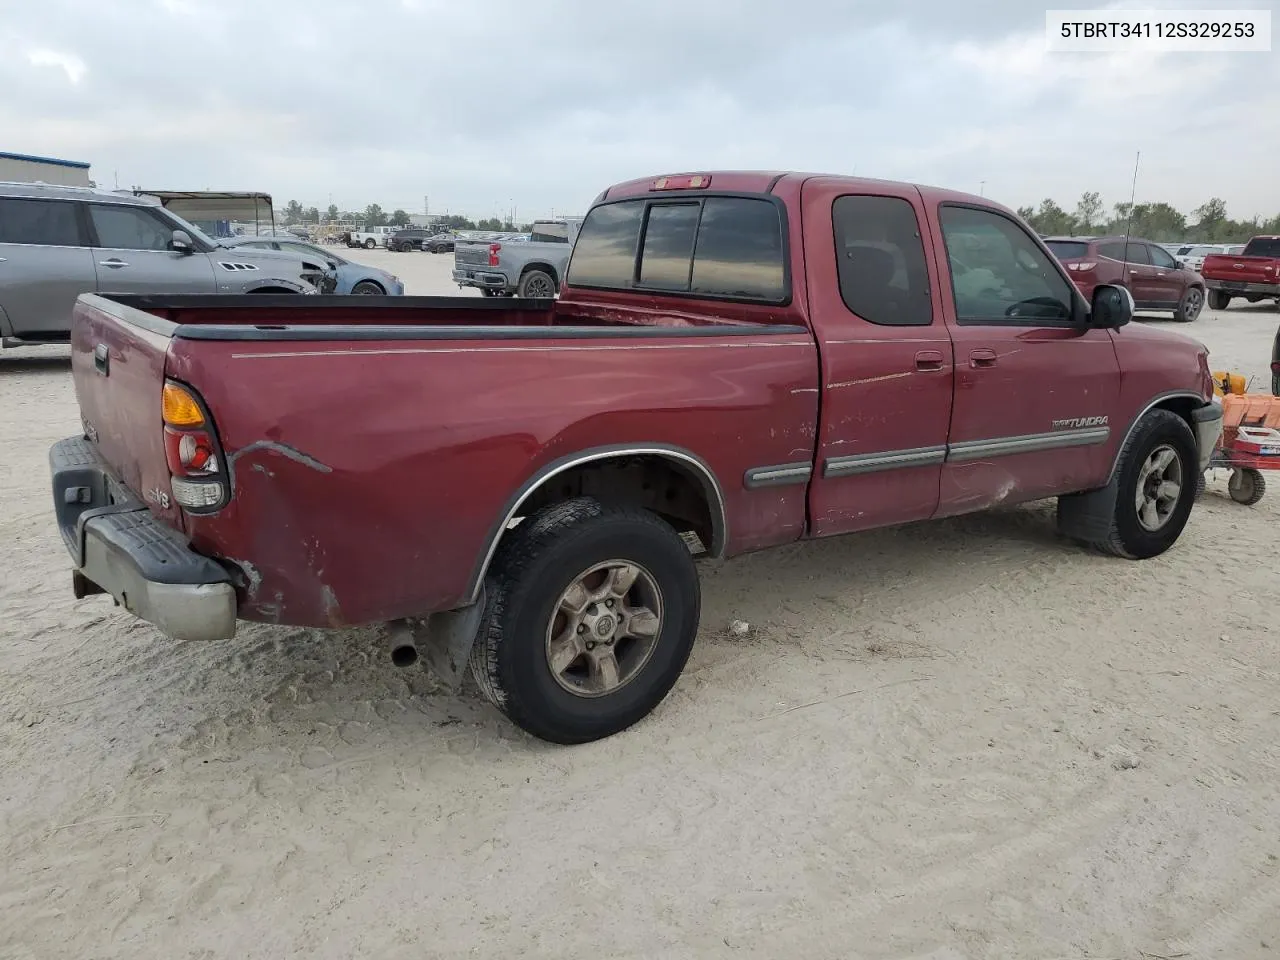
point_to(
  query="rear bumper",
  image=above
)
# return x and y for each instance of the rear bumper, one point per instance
(118, 547)
(1207, 423)
(479, 277)
(1242, 286)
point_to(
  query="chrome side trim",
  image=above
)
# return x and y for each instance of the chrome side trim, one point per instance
(719, 516)
(1030, 443)
(779, 475)
(876, 462)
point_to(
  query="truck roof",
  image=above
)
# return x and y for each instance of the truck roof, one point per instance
(767, 181)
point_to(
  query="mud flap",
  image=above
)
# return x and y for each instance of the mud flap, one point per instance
(1088, 516)
(447, 639)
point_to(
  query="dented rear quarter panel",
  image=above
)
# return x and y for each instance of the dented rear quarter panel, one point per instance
(367, 476)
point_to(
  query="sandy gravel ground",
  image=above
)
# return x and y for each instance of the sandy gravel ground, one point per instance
(955, 740)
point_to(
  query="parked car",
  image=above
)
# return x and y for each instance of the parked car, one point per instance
(371, 237)
(532, 268)
(351, 277)
(1254, 273)
(440, 243)
(59, 242)
(1193, 258)
(729, 375)
(1146, 270)
(410, 238)
(1275, 365)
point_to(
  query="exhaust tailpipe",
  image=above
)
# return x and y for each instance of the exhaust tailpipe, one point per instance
(401, 644)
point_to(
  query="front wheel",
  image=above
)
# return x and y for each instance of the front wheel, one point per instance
(1218, 300)
(1156, 487)
(368, 288)
(369, 244)
(1190, 306)
(591, 612)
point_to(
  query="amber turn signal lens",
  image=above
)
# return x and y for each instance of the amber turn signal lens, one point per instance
(179, 407)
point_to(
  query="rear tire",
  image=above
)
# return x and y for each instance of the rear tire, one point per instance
(535, 665)
(1218, 300)
(1190, 306)
(537, 285)
(1246, 486)
(1141, 535)
(370, 244)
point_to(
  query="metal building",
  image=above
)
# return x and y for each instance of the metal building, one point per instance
(27, 169)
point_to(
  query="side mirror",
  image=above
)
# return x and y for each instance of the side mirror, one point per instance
(1112, 307)
(181, 242)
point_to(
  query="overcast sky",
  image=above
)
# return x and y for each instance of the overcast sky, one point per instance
(485, 104)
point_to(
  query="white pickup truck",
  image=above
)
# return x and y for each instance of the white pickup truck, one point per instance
(372, 237)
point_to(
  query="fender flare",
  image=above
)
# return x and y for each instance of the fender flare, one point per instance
(1151, 405)
(694, 464)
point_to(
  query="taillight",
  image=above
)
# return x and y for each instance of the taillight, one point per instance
(197, 473)
(1083, 266)
(494, 250)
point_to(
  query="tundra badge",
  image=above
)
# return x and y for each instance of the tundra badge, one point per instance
(1074, 423)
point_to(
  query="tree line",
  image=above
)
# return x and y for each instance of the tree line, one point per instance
(374, 216)
(1158, 222)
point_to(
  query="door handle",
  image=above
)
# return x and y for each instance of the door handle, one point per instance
(102, 359)
(1133, 273)
(3, 259)
(983, 357)
(115, 263)
(929, 360)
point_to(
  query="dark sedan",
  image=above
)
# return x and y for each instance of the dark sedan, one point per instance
(440, 243)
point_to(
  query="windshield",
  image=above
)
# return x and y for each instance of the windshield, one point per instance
(1067, 249)
(1263, 247)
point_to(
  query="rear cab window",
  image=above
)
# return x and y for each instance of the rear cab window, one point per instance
(1262, 247)
(712, 247)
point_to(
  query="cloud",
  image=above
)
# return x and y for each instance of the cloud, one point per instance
(543, 105)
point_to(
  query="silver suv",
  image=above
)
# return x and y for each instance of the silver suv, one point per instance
(59, 242)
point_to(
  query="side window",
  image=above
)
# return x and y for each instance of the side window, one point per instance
(1112, 251)
(880, 260)
(998, 273)
(1137, 253)
(1160, 257)
(739, 250)
(605, 254)
(43, 223)
(668, 246)
(129, 228)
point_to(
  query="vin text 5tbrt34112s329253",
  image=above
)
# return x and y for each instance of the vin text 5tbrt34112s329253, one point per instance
(520, 487)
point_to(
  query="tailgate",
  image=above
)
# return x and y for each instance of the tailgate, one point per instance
(472, 253)
(1220, 266)
(118, 363)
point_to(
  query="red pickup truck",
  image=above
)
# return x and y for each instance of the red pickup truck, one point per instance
(736, 361)
(1253, 274)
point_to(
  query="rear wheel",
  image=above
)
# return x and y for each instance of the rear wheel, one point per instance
(537, 285)
(1191, 305)
(370, 244)
(591, 612)
(1246, 486)
(1218, 300)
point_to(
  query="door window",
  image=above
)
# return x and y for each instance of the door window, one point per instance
(43, 223)
(999, 275)
(129, 228)
(880, 261)
(1161, 258)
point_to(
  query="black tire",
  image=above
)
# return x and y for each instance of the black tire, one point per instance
(1218, 300)
(534, 565)
(1201, 483)
(1128, 537)
(1190, 306)
(370, 243)
(1247, 486)
(537, 285)
(368, 288)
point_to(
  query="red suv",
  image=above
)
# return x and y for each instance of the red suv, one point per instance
(1148, 271)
